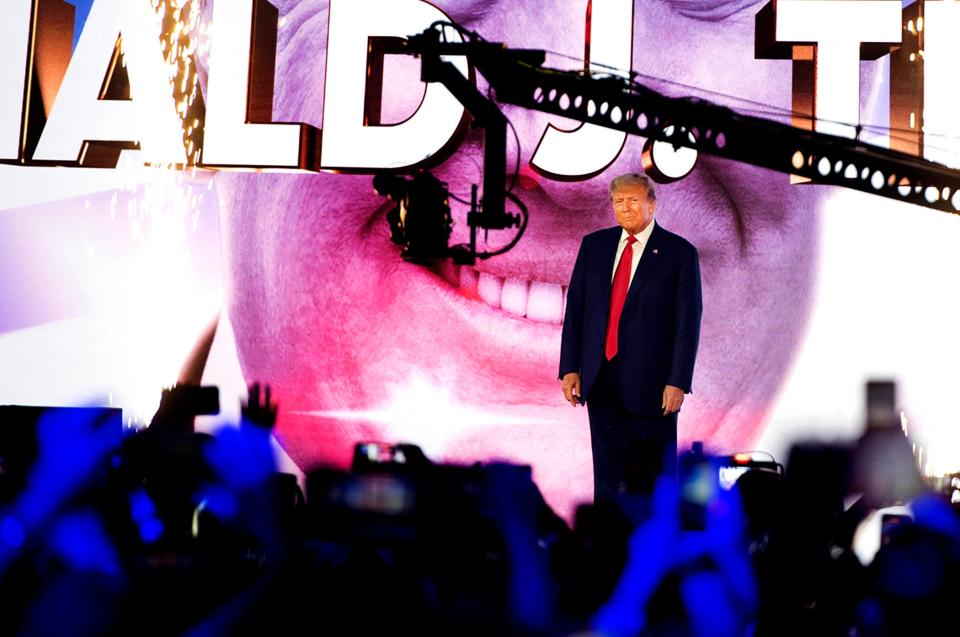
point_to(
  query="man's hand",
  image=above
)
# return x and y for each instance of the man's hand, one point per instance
(571, 388)
(672, 399)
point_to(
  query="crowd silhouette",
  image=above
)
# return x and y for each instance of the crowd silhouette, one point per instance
(166, 531)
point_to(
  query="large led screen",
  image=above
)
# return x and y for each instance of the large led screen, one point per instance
(227, 202)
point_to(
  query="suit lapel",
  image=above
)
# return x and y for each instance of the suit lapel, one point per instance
(648, 262)
(608, 256)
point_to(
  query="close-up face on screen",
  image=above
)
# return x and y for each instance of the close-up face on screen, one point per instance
(362, 345)
(800, 282)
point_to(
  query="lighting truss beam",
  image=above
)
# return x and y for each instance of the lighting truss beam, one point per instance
(518, 77)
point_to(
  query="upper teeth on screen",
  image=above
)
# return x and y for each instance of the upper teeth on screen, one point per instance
(535, 300)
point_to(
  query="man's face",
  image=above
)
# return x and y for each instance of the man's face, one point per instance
(633, 208)
(360, 345)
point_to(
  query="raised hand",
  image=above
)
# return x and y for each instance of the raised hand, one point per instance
(659, 546)
(262, 414)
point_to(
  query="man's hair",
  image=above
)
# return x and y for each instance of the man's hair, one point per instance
(634, 179)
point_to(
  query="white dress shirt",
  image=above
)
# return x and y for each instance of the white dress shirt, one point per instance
(643, 237)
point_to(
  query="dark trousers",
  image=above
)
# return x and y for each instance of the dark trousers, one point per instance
(629, 451)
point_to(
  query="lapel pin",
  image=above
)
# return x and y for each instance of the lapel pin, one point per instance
(655, 251)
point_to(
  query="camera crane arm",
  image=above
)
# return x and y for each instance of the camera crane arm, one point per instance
(518, 77)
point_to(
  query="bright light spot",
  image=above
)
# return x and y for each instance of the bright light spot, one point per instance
(797, 160)
(823, 166)
(674, 162)
(424, 413)
(904, 187)
(158, 308)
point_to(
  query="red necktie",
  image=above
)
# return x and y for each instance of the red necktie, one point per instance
(618, 295)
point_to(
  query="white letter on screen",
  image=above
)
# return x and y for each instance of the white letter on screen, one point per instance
(346, 142)
(941, 46)
(588, 149)
(149, 118)
(15, 31)
(838, 28)
(238, 130)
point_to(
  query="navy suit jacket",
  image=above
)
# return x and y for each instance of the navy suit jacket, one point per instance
(660, 325)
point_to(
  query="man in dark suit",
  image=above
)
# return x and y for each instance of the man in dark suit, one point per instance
(630, 336)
